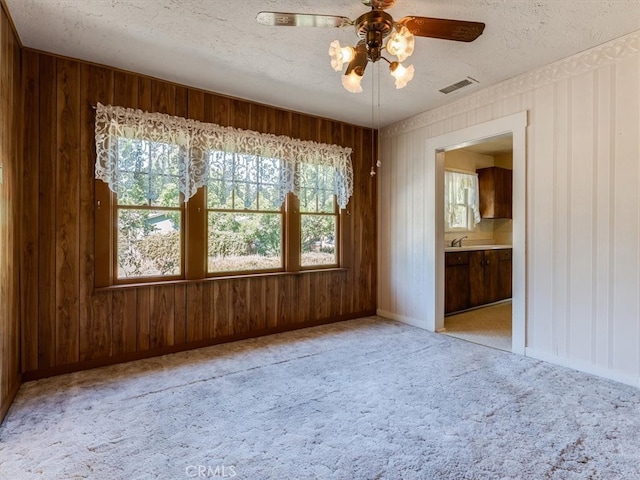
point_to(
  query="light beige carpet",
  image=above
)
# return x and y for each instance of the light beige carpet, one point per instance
(489, 326)
(359, 400)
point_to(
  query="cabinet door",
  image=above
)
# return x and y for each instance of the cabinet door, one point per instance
(496, 191)
(476, 278)
(456, 285)
(456, 294)
(505, 286)
(504, 193)
(491, 276)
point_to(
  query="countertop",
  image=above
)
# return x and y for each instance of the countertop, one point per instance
(469, 248)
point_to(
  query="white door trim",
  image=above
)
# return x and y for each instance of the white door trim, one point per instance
(515, 124)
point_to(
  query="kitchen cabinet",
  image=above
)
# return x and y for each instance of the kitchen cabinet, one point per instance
(476, 277)
(456, 281)
(495, 187)
(484, 276)
(505, 275)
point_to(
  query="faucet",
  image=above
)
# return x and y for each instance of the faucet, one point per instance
(457, 242)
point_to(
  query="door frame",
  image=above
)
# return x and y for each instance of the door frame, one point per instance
(516, 125)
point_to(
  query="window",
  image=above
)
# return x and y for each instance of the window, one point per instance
(319, 216)
(461, 204)
(179, 199)
(244, 214)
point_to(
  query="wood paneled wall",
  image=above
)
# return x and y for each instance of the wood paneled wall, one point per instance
(10, 109)
(66, 324)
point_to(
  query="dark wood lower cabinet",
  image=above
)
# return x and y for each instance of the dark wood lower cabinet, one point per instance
(505, 287)
(456, 282)
(484, 278)
(477, 277)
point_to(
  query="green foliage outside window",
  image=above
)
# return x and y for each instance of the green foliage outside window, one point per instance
(244, 216)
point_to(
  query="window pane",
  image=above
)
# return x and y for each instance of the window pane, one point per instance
(149, 243)
(244, 241)
(316, 188)
(243, 182)
(318, 240)
(458, 218)
(148, 173)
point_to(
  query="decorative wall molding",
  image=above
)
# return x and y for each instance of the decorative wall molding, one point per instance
(580, 63)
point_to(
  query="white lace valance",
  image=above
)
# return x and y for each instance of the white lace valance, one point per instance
(193, 142)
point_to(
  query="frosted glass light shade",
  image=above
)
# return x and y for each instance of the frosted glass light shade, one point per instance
(351, 82)
(402, 74)
(401, 43)
(340, 55)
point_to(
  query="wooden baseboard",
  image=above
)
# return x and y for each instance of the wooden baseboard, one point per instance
(129, 357)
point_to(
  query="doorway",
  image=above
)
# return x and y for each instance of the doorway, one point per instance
(434, 242)
(478, 238)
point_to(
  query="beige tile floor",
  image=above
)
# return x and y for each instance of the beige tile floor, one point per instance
(490, 326)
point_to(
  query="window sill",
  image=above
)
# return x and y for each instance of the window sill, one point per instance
(125, 286)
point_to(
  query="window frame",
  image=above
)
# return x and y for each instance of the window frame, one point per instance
(194, 242)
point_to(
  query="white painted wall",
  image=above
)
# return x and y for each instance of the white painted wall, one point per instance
(582, 203)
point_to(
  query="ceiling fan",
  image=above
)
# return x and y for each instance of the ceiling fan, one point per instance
(373, 28)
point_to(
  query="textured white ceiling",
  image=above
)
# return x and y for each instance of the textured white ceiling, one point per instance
(218, 46)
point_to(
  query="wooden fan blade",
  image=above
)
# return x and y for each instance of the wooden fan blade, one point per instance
(458, 30)
(279, 19)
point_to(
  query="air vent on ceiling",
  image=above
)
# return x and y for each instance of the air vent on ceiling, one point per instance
(458, 85)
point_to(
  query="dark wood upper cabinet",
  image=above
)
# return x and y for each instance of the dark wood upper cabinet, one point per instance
(496, 190)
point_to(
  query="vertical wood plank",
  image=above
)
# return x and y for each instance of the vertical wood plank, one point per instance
(163, 97)
(143, 308)
(125, 89)
(271, 305)
(263, 119)
(282, 123)
(322, 296)
(180, 315)
(145, 101)
(347, 221)
(11, 132)
(182, 102)
(335, 293)
(239, 315)
(161, 316)
(67, 212)
(221, 308)
(285, 301)
(123, 318)
(239, 114)
(30, 212)
(195, 302)
(47, 189)
(257, 303)
(209, 309)
(95, 311)
(221, 112)
(303, 312)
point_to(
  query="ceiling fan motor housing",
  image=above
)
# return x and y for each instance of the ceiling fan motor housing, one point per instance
(373, 27)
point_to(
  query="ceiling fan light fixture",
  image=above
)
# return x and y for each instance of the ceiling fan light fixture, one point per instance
(378, 33)
(401, 43)
(340, 55)
(402, 74)
(352, 82)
